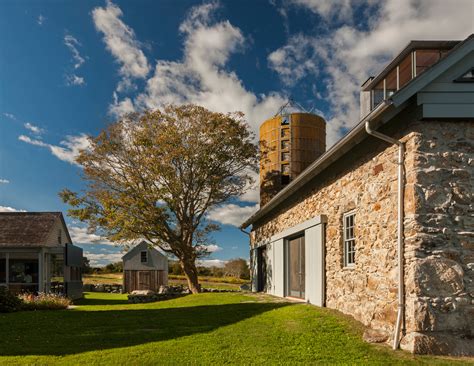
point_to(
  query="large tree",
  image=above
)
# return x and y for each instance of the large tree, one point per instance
(156, 176)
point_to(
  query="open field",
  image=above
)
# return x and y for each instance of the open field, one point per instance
(210, 328)
(206, 281)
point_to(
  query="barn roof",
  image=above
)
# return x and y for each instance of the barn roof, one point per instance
(28, 229)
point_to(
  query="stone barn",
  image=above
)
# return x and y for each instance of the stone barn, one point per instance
(144, 268)
(381, 225)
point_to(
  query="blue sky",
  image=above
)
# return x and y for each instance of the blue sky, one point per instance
(69, 68)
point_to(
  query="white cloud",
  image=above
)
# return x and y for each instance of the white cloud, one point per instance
(120, 40)
(211, 263)
(212, 248)
(73, 79)
(68, 152)
(232, 214)
(328, 10)
(119, 108)
(348, 55)
(252, 191)
(102, 259)
(72, 44)
(4, 181)
(201, 77)
(294, 60)
(81, 235)
(40, 20)
(10, 209)
(35, 129)
(10, 116)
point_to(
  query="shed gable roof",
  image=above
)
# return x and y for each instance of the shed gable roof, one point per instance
(143, 245)
(28, 229)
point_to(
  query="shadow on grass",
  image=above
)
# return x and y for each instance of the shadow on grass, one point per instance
(95, 301)
(71, 332)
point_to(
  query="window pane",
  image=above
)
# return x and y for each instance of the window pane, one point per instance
(285, 156)
(285, 168)
(391, 82)
(349, 239)
(3, 270)
(377, 94)
(285, 144)
(426, 58)
(404, 71)
(285, 132)
(23, 270)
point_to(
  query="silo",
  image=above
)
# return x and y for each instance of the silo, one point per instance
(288, 144)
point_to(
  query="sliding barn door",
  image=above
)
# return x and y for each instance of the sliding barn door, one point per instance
(296, 267)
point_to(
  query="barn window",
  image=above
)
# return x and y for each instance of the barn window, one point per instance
(144, 257)
(349, 239)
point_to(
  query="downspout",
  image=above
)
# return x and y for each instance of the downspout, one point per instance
(400, 218)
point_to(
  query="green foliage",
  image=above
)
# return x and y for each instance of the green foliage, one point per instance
(113, 268)
(237, 268)
(155, 176)
(9, 302)
(44, 302)
(205, 329)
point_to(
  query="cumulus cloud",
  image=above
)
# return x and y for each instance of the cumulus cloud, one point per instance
(10, 209)
(81, 235)
(121, 41)
(348, 54)
(4, 181)
(232, 214)
(35, 129)
(211, 263)
(212, 248)
(330, 10)
(201, 77)
(69, 149)
(102, 259)
(294, 60)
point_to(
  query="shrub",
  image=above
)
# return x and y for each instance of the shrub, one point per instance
(8, 301)
(44, 302)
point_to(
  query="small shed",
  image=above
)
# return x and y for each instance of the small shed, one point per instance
(144, 268)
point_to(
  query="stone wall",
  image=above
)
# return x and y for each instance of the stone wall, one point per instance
(440, 241)
(366, 180)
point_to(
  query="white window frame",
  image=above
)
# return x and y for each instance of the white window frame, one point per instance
(349, 238)
(146, 256)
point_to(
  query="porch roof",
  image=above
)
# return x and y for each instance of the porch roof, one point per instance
(28, 229)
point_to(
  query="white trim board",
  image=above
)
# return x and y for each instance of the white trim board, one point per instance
(317, 220)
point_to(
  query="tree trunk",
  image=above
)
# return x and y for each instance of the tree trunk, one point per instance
(191, 273)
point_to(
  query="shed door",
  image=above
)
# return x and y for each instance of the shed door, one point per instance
(144, 280)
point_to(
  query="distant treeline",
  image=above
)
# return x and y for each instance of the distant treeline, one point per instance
(237, 268)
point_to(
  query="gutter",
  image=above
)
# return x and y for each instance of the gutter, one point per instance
(400, 219)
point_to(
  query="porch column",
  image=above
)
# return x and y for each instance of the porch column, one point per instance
(41, 270)
(7, 269)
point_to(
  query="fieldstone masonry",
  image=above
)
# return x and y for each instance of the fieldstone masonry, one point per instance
(439, 235)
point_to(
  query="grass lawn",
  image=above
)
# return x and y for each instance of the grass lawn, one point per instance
(209, 328)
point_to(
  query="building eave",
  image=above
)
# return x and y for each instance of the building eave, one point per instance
(351, 139)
